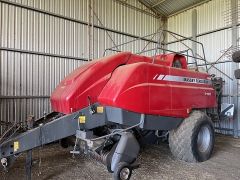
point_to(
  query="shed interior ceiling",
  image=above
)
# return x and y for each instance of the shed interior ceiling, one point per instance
(169, 7)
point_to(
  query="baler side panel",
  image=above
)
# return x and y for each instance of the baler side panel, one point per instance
(129, 88)
(160, 90)
(184, 95)
(120, 91)
(192, 95)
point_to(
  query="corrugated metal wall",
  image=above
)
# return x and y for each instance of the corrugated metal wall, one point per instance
(55, 34)
(210, 16)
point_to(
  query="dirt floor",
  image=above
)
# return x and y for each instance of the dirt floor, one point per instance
(156, 163)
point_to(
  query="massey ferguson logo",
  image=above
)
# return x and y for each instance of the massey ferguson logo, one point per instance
(192, 80)
(181, 79)
(195, 80)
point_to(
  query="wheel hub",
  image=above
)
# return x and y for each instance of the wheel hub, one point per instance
(124, 174)
(204, 139)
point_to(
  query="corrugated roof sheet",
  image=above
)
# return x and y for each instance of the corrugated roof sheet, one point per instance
(168, 7)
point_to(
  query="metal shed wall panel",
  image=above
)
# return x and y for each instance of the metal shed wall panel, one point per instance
(210, 16)
(27, 80)
(181, 24)
(116, 16)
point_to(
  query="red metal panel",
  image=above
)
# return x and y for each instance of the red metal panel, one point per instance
(138, 85)
(88, 80)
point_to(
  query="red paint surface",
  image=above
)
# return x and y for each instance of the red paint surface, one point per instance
(130, 82)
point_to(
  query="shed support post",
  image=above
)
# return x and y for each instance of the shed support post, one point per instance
(194, 33)
(165, 34)
(234, 17)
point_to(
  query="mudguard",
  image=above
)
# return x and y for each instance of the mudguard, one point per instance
(126, 151)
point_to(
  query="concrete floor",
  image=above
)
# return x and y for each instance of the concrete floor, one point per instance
(156, 163)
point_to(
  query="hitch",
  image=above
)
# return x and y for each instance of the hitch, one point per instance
(92, 109)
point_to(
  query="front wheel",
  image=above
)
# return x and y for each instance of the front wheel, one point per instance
(193, 140)
(123, 171)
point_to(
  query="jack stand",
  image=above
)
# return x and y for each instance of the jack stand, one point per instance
(29, 165)
(75, 149)
(30, 122)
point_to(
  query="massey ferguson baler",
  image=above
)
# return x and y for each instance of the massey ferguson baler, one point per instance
(114, 105)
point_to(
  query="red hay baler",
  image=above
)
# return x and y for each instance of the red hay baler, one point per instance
(114, 105)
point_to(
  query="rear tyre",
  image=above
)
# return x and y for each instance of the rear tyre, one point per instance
(193, 140)
(236, 56)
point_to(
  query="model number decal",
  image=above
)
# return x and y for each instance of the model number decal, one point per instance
(181, 79)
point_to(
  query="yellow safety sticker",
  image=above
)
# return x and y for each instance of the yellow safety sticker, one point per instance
(100, 109)
(82, 119)
(15, 146)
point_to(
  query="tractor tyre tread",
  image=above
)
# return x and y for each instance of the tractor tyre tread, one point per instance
(181, 140)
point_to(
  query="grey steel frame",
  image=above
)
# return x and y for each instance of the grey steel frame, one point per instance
(67, 125)
(182, 38)
(43, 134)
(178, 37)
